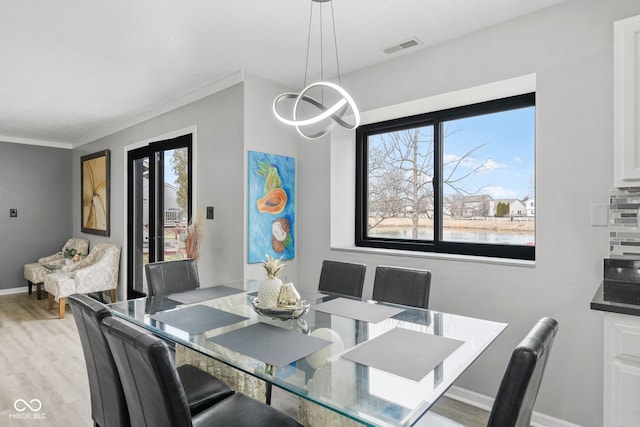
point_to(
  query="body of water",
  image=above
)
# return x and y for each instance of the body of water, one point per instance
(464, 236)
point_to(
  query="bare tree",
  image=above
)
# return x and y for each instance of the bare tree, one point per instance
(400, 176)
(401, 170)
(179, 164)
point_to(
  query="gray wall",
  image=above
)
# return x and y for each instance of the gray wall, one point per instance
(37, 182)
(219, 178)
(570, 48)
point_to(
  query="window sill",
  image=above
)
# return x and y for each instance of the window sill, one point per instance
(433, 255)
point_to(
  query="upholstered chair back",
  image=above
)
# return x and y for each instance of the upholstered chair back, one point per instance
(108, 404)
(104, 260)
(77, 243)
(169, 277)
(406, 286)
(343, 278)
(80, 245)
(520, 384)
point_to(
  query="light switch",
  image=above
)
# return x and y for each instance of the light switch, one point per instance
(209, 212)
(13, 213)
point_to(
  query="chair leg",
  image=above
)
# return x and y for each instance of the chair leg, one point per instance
(112, 295)
(38, 290)
(61, 303)
(50, 301)
(30, 285)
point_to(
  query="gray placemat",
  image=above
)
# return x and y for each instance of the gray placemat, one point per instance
(197, 319)
(358, 310)
(270, 344)
(204, 294)
(409, 354)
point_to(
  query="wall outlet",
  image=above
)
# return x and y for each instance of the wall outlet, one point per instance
(209, 212)
(13, 213)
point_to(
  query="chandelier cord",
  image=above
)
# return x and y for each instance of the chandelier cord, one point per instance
(306, 63)
(335, 43)
(321, 46)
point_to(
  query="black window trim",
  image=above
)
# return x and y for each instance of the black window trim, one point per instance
(521, 252)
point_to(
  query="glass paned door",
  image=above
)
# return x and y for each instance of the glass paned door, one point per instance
(159, 206)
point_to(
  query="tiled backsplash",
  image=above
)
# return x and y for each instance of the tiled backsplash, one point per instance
(624, 230)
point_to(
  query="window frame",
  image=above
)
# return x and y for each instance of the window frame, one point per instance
(435, 119)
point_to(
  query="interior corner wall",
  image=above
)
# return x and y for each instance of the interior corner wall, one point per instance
(37, 182)
(569, 47)
(264, 133)
(219, 181)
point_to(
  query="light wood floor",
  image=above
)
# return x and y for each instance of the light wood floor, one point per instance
(41, 358)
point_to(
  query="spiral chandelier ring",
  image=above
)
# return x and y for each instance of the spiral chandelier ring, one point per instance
(335, 112)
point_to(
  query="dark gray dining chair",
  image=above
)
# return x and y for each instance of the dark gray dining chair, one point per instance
(155, 395)
(168, 277)
(405, 286)
(342, 278)
(520, 384)
(513, 405)
(108, 403)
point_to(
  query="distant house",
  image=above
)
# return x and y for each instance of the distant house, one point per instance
(516, 207)
(468, 206)
(530, 206)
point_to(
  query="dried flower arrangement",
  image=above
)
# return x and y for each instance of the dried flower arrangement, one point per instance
(194, 237)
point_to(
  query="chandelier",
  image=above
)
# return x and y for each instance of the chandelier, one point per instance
(320, 105)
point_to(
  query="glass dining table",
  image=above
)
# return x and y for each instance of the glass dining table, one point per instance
(374, 363)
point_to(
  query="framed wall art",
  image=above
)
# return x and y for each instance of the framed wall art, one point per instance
(95, 186)
(271, 206)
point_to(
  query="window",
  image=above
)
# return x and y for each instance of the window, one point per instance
(459, 181)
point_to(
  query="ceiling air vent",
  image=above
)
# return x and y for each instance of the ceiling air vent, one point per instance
(403, 45)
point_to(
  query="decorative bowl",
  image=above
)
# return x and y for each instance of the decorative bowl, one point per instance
(281, 313)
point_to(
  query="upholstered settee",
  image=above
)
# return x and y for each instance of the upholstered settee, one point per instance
(97, 272)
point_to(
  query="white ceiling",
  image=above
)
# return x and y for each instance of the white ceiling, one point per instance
(76, 70)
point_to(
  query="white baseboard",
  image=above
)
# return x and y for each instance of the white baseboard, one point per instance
(485, 402)
(13, 290)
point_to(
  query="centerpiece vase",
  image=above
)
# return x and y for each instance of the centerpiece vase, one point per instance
(268, 292)
(288, 296)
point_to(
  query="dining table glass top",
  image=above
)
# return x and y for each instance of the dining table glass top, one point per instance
(379, 364)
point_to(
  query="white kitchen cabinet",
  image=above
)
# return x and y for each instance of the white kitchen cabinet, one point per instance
(621, 370)
(626, 102)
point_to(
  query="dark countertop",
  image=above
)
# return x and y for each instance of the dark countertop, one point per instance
(617, 297)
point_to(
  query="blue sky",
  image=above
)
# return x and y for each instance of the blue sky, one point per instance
(506, 161)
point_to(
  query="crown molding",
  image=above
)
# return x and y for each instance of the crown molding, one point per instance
(40, 142)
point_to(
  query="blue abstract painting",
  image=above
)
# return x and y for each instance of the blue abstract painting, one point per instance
(271, 206)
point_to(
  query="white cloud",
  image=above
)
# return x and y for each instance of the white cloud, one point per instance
(473, 163)
(467, 162)
(498, 192)
(491, 165)
(517, 159)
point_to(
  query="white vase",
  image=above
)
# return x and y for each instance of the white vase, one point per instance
(268, 292)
